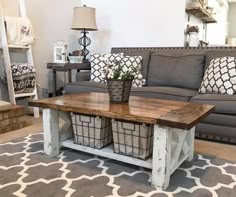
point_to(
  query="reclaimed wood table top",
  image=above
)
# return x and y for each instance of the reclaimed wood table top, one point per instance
(182, 115)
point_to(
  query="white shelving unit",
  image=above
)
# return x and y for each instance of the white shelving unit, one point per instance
(6, 55)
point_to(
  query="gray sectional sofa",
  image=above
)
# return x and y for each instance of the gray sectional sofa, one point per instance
(167, 78)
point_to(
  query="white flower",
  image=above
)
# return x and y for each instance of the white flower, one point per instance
(144, 82)
(140, 76)
(109, 76)
(103, 75)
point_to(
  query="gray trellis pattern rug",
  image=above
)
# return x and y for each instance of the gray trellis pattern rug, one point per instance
(26, 171)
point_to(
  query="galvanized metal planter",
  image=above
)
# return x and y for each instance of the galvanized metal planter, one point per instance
(119, 90)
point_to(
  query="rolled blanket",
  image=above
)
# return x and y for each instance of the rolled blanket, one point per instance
(23, 77)
(19, 31)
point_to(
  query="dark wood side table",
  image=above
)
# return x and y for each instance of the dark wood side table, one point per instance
(65, 67)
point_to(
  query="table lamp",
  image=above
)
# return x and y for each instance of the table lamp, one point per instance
(85, 20)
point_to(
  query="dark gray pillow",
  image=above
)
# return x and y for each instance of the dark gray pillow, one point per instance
(146, 58)
(210, 55)
(183, 71)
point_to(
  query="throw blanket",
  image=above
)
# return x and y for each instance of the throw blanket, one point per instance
(19, 31)
(23, 77)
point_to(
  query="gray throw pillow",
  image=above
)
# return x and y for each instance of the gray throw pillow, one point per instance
(183, 71)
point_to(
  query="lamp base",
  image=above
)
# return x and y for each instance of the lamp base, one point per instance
(84, 41)
(86, 61)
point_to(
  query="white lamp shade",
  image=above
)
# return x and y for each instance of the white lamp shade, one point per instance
(84, 18)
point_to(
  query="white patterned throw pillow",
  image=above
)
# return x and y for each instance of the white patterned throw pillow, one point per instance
(99, 65)
(220, 77)
(135, 62)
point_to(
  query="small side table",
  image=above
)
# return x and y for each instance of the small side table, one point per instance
(65, 67)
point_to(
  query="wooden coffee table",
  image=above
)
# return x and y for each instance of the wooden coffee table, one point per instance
(174, 127)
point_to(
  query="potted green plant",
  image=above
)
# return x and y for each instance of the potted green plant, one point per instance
(119, 81)
(193, 35)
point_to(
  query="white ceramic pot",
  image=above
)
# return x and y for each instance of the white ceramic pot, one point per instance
(193, 39)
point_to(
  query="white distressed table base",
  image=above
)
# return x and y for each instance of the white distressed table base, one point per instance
(53, 134)
(171, 146)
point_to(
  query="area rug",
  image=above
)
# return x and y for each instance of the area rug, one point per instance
(26, 171)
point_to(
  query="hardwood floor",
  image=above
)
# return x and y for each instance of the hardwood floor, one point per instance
(224, 151)
(218, 150)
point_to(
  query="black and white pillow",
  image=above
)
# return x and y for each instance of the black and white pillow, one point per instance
(135, 62)
(220, 77)
(99, 65)
(23, 75)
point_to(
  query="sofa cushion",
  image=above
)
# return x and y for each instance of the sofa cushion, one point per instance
(216, 132)
(146, 58)
(220, 77)
(183, 71)
(214, 54)
(228, 120)
(170, 93)
(85, 86)
(224, 104)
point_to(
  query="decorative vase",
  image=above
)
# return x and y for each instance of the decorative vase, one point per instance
(119, 90)
(193, 39)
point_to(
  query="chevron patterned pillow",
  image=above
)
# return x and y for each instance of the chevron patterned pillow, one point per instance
(220, 77)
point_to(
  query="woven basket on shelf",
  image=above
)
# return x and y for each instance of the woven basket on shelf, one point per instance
(119, 90)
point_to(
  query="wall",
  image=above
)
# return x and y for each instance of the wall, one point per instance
(120, 23)
(141, 23)
(232, 18)
(51, 20)
(218, 32)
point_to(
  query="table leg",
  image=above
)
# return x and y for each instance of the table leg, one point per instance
(54, 81)
(51, 132)
(161, 160)
(171, 147)
(190, 141)
(69, 76)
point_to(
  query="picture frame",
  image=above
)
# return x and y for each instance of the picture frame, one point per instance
(59, 54)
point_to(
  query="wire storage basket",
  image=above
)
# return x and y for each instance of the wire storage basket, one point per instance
(91, 131)
(132, 139)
